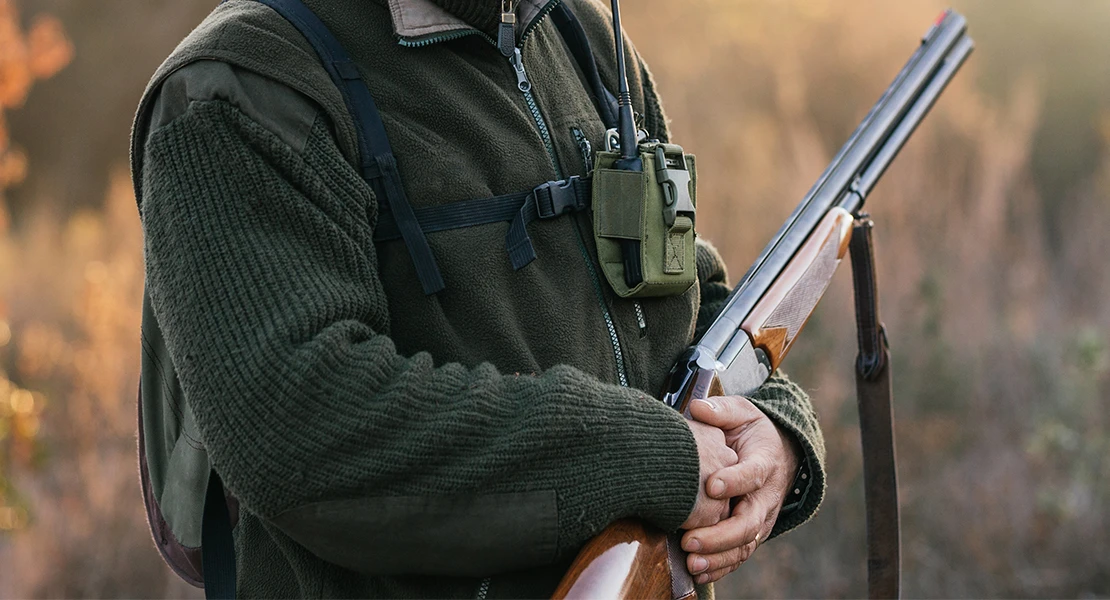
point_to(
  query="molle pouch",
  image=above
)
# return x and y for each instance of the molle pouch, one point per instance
(644, 222)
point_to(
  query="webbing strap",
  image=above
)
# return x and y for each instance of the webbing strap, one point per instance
(217, 545)
(546, 201)
(466, 213)
(876, 420)
(377, 163)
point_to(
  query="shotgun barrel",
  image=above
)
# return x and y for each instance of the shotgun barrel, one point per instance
(899, 110)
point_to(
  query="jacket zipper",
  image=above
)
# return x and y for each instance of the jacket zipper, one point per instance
(618, 354)
(640, 320)
(585, 148)
(525, 87)
(483, 588)
(516, 61)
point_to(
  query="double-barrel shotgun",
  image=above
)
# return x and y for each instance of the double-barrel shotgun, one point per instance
(769, 307)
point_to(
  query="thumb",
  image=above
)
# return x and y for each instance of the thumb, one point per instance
(725, 412)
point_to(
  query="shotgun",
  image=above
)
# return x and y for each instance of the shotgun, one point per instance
(769, 307)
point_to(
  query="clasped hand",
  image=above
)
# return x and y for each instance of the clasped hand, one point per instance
(747, 467)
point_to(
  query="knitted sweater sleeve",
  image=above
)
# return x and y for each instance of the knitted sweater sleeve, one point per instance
(261, 272)
(781, 399)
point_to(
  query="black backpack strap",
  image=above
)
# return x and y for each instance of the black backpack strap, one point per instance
(378, 165)
(575, 37)
(218, 547)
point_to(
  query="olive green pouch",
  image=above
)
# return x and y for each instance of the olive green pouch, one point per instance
(654, 207)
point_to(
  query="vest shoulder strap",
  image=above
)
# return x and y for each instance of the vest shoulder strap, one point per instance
(575, 36)
(376, 161)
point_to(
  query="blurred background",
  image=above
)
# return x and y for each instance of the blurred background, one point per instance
(993, 249)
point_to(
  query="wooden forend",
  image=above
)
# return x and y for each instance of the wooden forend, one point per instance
(783, 311)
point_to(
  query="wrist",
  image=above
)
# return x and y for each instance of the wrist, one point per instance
(798, 491)
(794, 460)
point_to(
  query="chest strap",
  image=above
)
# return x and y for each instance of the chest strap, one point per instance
(545, 201)
(378, 166)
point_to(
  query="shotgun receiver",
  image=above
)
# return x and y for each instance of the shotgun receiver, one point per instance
(770, 305)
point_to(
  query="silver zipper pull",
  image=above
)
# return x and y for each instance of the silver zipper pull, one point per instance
(585, 148)
(640, 320)
(521, 77)
(506, 32)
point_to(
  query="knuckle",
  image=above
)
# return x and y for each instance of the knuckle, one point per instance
(708, 519)
(724, 511)
(714, 563)
(762, 472)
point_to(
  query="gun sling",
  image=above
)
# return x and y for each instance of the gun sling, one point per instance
(876, 421)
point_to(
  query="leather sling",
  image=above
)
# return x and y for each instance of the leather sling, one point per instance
(876, 417)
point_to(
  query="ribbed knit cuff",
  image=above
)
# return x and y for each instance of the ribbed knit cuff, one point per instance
(647, 468)
(789, 407)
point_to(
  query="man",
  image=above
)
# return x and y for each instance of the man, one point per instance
(384, 442)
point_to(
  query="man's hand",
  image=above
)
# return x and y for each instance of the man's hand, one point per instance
(715, 455)
(758, 483)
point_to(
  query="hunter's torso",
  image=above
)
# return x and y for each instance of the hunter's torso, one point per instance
(461, 128)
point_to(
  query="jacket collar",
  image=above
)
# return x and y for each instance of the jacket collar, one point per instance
(421, 22)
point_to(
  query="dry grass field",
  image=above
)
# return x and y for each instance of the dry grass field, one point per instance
(993, 232)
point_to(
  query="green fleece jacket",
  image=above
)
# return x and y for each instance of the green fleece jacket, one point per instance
(381, 442)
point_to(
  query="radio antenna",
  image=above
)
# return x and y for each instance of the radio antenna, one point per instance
(630, 148)
(626, 124)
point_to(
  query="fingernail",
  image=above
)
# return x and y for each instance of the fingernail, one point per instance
(716, 488)
(703, 578)
(712, 405)
(693, 545)
(700, 564)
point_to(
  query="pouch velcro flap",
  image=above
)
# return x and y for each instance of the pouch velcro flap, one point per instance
(620, 215)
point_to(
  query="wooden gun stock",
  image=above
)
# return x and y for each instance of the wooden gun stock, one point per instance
(630, 559)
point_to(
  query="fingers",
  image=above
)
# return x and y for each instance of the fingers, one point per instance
(731, 560)
(729, 534)
(726, 412)
(718, 549)
(717, 575)
(707, 512)
(745, 477)
(713, 455)
(709, 568)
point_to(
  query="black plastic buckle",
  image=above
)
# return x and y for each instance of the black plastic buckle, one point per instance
(555, 198)
(676, 186)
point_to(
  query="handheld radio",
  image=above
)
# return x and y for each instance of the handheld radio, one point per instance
(644, 199)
